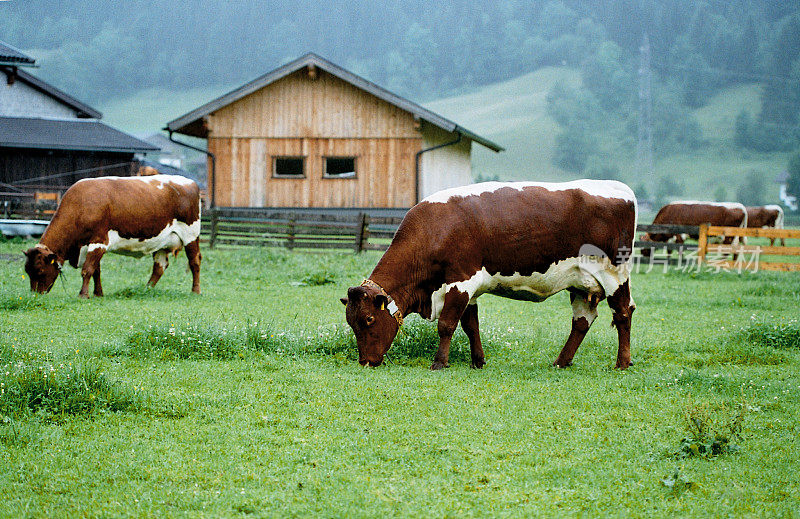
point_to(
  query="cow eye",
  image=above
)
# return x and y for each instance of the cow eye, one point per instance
(370, 319)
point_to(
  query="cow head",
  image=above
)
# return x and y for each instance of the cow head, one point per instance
(373, 324)
(42, 267)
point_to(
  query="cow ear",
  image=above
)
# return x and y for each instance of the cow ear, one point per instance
(381, 301)
(344, 301)
(26, 253)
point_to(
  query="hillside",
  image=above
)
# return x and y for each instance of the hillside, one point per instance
(514, 114)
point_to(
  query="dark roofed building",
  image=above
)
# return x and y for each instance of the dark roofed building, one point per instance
(12, 56)
(49, 139)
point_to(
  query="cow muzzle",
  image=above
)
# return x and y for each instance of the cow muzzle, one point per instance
(372, 362)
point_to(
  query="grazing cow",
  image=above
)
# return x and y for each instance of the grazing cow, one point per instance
(522, 240)
(771, 215)
(134, 216)
(690, 212)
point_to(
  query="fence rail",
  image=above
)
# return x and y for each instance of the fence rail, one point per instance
(740, 252)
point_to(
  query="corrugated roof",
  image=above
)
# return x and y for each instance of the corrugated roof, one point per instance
(67, 134)
(12, 56)
(197, 114)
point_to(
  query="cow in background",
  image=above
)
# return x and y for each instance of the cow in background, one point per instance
(135, 216)
(759, 217)
(695, 213)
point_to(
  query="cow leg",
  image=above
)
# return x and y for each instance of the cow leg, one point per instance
(160, 263)
(733, 241)
(455, 303)
(584, 312)
(469, 322)
(194, 256)
(98, 288)
(623, 309)
(91, 269)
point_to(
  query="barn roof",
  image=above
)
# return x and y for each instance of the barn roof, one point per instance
(190, 123)
(13, 56)
(67, 134)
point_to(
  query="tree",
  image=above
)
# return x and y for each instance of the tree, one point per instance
(753, 190)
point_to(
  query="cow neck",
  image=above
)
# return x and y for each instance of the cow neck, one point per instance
(396, 279)
(50, 240)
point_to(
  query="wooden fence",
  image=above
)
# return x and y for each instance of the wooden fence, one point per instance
(360, 231)
(355, 231)
(289, 229)
(749, 257)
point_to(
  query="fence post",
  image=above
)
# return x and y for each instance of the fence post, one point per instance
(290, 231)
(214, 222)
(702, 244)
(362, 232)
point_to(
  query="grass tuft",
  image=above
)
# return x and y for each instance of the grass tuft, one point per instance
(419, 339)
(322, 277)
(52, 392)
(782, 335)
(192, 342)
(711, 433)
(17, 302)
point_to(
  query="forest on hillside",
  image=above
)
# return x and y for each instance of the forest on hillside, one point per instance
(424, 50)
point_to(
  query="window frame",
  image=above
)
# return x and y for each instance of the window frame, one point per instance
(275, 159)
(325, 174)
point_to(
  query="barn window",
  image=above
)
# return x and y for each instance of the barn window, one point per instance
(340, 167)
(289, 167)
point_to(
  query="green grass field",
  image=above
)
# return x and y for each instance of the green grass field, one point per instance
(289, 424)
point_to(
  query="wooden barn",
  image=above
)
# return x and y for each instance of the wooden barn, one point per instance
(49, 139)
(312, 134)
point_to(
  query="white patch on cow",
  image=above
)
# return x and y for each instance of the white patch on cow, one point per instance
(590, 274)
(582, 308)
(158, 180)
(729, 205)
(162, 258)
(779, 218)
(86, 249)
(174, 236)
(602, 188)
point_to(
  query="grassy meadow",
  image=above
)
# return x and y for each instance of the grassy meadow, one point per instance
(247, 400)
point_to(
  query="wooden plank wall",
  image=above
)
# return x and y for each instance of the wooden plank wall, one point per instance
(314, 118)
(385, 173)
(298, 106)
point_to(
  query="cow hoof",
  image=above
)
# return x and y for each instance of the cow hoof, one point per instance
(478, 364)
(196, 291)
(438, 365)
(559, 366)
(83, 296)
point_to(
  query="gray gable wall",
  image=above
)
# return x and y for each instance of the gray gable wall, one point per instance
(21, 100)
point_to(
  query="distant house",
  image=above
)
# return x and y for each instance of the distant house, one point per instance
(788, 200)
(49, 139)
(312, 134)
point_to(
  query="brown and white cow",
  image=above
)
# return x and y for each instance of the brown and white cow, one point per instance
(521, 240)
(692, 212)
(771, 215)
(135, 216)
